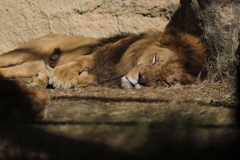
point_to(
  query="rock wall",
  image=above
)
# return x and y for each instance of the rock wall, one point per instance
(216, 22)
(23, 20)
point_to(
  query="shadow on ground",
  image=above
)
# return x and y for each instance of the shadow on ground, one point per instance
(24, 141)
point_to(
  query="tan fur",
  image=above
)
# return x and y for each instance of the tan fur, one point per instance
(164, 57)
(40, 80)
(39, 49)
(26, 69)
(20, 104)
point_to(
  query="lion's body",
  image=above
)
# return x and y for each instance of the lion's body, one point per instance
(164, 58)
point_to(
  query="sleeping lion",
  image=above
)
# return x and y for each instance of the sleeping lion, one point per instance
(154, 58)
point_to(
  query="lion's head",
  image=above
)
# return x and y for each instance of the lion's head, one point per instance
(163, 59)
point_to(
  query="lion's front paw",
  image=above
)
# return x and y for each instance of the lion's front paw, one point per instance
(63, 77)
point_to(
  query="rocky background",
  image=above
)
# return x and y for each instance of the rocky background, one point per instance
(216, 22)
(24, 20)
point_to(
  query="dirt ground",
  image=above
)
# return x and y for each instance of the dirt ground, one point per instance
(192, 121)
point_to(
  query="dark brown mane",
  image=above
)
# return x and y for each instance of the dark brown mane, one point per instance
(108, 55)
(191, 51)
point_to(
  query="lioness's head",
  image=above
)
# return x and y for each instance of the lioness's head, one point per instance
(162, 59)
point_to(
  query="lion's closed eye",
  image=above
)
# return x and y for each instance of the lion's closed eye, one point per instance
(155, 59)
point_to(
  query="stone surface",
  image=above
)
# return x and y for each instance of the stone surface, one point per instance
(23, 20)
(217, 22)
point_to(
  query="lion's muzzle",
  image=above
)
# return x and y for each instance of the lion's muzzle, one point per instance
(128, 82)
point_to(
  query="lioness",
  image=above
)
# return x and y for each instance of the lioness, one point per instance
(153, 58)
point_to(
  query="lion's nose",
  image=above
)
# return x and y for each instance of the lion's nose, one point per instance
(142, 79)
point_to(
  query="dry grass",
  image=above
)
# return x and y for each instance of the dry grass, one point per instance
(221, 77)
